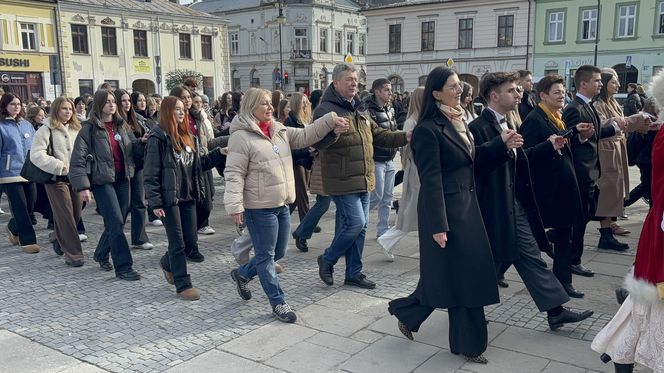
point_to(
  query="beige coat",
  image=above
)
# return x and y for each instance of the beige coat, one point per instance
(613, 182)
(407, 216)
(259, 170)
(63, 143)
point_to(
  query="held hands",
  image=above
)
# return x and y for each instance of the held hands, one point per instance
(441, 239)
(223, 151)
(144, 138)
(238, 218)
(159, 213)
(586, 130)
(409, 135)
(640, 122)
(511, 139)
(558, 142)
(340, 125)
(85, 195)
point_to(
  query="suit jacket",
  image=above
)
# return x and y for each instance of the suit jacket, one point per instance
(586, 161)
(499, 183)
(554, 179)
(528, 103)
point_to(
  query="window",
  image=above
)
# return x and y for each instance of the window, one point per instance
(589, 24)
(428, 35)
(206, 47)
(395, 38)
(362, 45)
(85, 86)
(115, 84)
(551, 72)
(185, 46)
(255, 80)
(109, 42)
(235, 44)
(337, 42)
(505, 30)
(322, 38)
(235, 80)
(301, 39)
(422, 80)
(350, 43)
(397, 83)
(79, 38)
(626, 21)
(661, 18)
(556, 26)
(28, 36)
(466, 33)
(140, 43)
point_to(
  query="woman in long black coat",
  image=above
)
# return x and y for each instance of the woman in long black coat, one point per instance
(456, 266)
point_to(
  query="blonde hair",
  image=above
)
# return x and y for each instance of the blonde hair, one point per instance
(300, 107)
(252, 99)
(57, 104)
(415, 103)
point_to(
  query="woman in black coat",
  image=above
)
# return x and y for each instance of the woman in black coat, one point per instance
(456, 266)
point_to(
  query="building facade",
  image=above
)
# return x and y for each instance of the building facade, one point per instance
(407, 40)
(629, 36)
(134, 44)
(28, 49)
(312, 37)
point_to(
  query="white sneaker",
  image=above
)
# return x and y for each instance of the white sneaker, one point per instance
(389, 255)
(82, 237)
(2, 212)
(144, 246)
(206, 230)
(156, 223)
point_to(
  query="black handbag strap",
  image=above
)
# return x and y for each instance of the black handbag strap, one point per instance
(49, 148)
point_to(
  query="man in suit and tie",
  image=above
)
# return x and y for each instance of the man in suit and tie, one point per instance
(528, 102)
(508, 205)
(588, 80)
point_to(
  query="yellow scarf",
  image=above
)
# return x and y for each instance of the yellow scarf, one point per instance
(455, 115)
(556, 118)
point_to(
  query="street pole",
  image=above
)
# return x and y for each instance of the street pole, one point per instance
(280, 20)
(597, 33)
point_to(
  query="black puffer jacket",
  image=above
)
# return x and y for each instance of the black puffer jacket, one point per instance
(384, 116)
(161, 176)
(633, 104)
(100, 169)
(301, 157)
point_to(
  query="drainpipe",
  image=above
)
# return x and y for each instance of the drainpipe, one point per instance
(597, 34)
(63, 85)
(528, 36)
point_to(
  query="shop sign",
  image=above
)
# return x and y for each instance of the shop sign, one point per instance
(142, 66)
(24, 62)
(14, 62)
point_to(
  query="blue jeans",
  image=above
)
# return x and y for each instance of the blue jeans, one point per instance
(113, 203)
(310, 221)
(269, 230)
(381, 197)
(349, 232)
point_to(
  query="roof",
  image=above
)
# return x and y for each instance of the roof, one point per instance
(222, 6)
(407, 3)
(153, 6)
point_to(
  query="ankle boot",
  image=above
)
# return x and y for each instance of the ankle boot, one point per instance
(623, 368)
(608, 242)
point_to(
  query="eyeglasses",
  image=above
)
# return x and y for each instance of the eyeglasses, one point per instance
(456, 87)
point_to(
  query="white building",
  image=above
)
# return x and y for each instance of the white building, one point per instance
(407, 40)
(315, 36)
(134, 44)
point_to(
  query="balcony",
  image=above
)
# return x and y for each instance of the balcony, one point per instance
(301, 55)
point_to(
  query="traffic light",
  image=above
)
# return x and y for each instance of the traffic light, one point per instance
(285, 78)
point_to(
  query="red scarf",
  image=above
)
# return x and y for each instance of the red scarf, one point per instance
(265, 128)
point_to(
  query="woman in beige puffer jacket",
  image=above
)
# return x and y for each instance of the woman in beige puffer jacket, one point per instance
(260, 185)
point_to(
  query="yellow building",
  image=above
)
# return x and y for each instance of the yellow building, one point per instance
(134, 44)
(28, 49)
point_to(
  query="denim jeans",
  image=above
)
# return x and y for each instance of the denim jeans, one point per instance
(138, 210)
(180, 225)
(310, 221)
(269, 230)
(21, 197)
(349, 232)
(113, 203)
(381, 197)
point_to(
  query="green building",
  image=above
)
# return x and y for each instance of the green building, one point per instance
(626, 35)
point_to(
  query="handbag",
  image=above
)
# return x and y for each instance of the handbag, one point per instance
(35, 174)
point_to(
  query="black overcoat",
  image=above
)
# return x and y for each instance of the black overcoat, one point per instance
(462, 274)
(499, 182)
(554, 178)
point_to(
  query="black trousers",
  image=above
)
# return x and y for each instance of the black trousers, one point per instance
(589, 195)
(468, 334)
(180, 224)
(137, 209)
(643, 189)
(21, 197)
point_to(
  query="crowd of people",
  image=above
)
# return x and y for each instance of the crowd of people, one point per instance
(492, 177)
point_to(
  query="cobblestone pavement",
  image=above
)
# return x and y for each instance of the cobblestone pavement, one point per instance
(62, 319)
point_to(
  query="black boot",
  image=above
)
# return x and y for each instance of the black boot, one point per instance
(608, 242)
(623, 368)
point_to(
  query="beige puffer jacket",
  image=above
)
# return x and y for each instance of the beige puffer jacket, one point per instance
(259, 170)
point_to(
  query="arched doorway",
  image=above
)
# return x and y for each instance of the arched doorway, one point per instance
(626, 75)
(235, 81)
(254, 78)
(144, 86)
(397, 83)
(472, 80)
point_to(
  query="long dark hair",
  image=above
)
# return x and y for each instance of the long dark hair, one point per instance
(435, 81)
(4, 102)
(604, 92)
(98, 103)
(134, 103)
(129, 116)
(467, 88)
(316, 94)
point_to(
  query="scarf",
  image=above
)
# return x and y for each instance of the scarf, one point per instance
(265, 128)
(455, 115)
(555, 117)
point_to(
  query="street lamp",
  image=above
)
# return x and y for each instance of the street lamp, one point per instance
(281, 20)
(597, 33)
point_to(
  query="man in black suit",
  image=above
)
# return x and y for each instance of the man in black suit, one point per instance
(528, 102)
(507, 202)
(554, 179)
(588, 82)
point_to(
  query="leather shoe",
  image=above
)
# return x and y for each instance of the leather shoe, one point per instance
(567, 316)
(502, 283)
(573, 292)
(105, 265)
(130, 275)
(317, 229)
(300, 243)
(361, 282)
(581, 270)
(74, 263)
(325, 271)
(621, 295)
(404, 330)
(57, 249)
(195, 257)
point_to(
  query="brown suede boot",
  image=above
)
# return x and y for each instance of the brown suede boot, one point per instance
(189, 294)
(168, 276)
(31, 249)
(13, 239)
